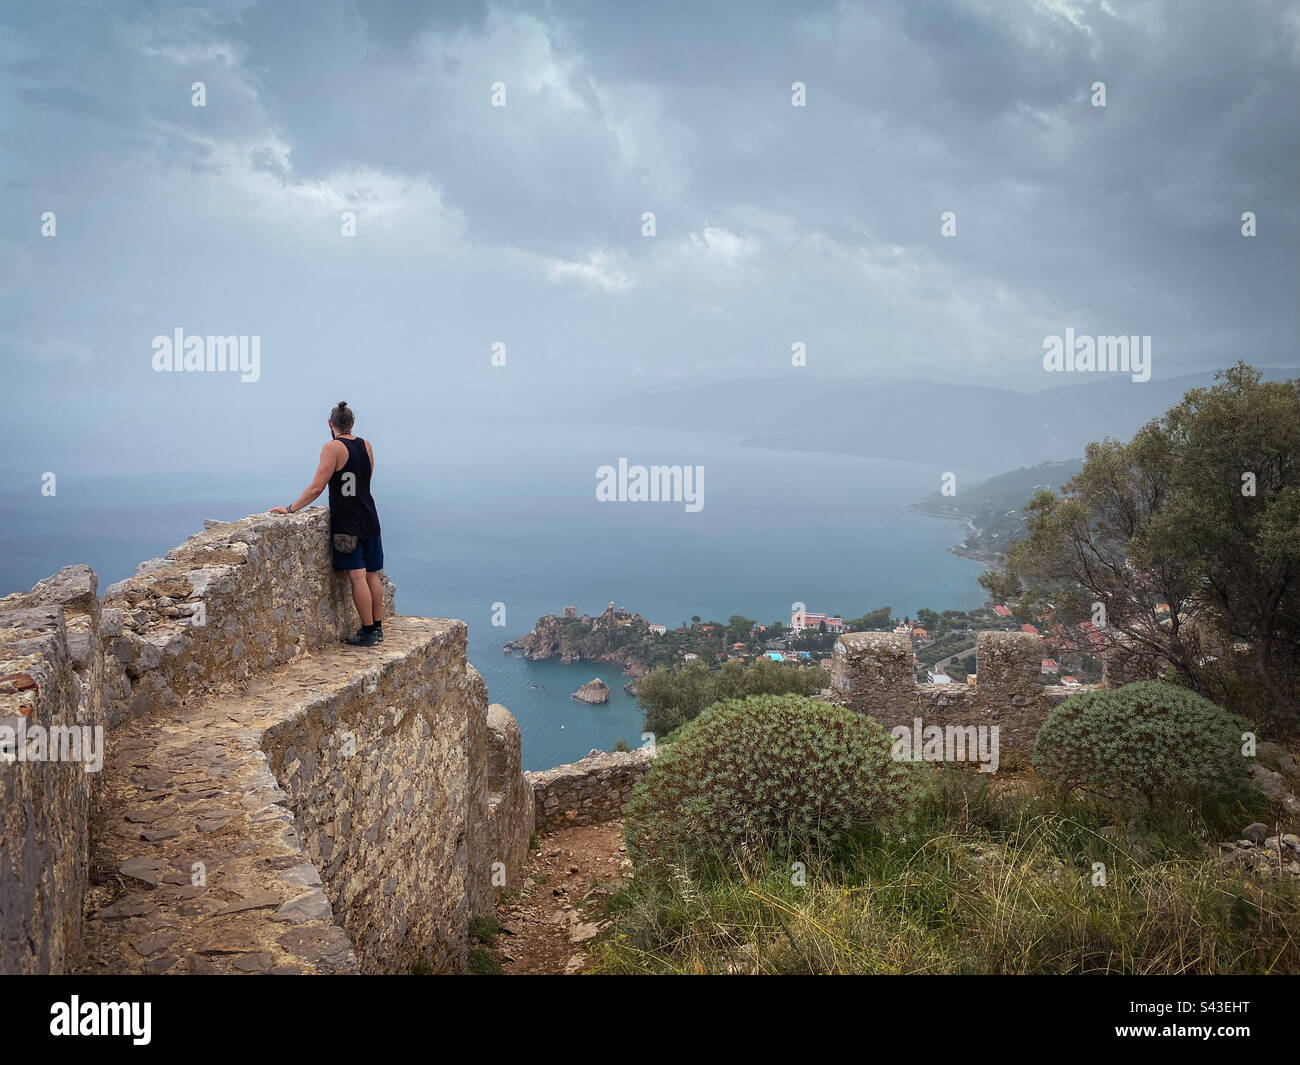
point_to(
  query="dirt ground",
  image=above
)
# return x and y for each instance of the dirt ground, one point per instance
(546, 927)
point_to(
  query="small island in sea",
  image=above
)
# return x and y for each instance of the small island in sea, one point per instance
(593, 692)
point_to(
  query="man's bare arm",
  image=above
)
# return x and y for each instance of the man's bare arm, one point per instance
(324, 471)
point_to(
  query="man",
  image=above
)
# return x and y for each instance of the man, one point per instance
(346, 464)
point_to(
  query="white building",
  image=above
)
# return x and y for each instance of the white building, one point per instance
(807, 619)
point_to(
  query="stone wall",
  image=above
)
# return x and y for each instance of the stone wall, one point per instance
(52, 659)
(1126, 661)
(219, 676)
(234, 600)
(376, 773)
(587, 792)
(510, 820)
(872, 672)
(45, 811)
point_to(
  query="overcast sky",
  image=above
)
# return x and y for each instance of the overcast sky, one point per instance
(522, 224)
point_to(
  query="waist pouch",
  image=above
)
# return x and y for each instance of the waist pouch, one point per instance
(344, 544)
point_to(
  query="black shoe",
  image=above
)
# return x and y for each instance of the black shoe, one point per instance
(379, 631)
(361, 638)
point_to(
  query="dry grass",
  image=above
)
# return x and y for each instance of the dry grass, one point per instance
(976, 882)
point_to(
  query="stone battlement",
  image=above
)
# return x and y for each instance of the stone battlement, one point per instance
(587, 792)
(272, 800)
(232, 601)
(872, 672)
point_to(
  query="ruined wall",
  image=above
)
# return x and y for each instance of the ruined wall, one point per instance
(1125, 661)
(219, 675)
(510, 820)
(587, 792)
(234, 600)
(872, 672)
(376, 773)
(52, 663)
(43, 835)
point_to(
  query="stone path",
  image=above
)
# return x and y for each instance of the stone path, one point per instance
(196, 866)
(547, 929)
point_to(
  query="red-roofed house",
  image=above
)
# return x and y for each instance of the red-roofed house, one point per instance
(1029, 629)
(1050, 665)
(1093, 635)
(1001, 611)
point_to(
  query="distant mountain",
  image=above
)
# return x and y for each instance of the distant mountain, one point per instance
(970, 427)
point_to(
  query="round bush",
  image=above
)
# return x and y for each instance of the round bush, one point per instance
(1148, 740)
(754, 773)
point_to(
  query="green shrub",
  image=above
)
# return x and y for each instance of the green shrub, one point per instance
(485, 928)
(764, 772)
(1145, 740)
(482, 962)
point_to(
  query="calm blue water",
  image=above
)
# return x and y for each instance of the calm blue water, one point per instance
(484, 522)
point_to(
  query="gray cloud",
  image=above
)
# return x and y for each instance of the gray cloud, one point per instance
(522, 224)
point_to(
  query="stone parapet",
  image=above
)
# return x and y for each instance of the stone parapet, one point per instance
(593, 790)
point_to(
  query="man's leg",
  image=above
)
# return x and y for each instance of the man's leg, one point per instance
(361, 595)
(376, 596)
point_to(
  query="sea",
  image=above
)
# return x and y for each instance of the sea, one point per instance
(499, 532)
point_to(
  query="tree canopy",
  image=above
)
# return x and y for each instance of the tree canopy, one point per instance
(1182, 546)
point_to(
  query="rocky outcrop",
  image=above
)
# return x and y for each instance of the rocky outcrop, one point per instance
(1273, 786)
(1261, 852)
(593, 692)
(615, 637)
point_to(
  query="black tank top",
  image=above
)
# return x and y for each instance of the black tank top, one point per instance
(352, 508)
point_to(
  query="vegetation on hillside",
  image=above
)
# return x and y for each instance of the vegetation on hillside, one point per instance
(1143, 742)
(978, 878)
(1120, 853)
(944, 870)
(671, 698)
(994, 508)
(761, 772)
(1183, 546)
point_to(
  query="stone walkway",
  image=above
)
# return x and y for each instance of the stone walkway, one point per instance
(196, 866)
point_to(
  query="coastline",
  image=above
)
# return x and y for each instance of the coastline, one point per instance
(990, 560)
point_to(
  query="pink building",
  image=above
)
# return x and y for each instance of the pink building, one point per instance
(806, 619)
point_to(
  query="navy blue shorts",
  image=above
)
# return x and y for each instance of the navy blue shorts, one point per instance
(367, 553)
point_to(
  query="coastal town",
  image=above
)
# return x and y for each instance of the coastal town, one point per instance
(943, 644)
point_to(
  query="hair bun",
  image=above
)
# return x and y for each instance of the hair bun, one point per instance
(343, 403)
